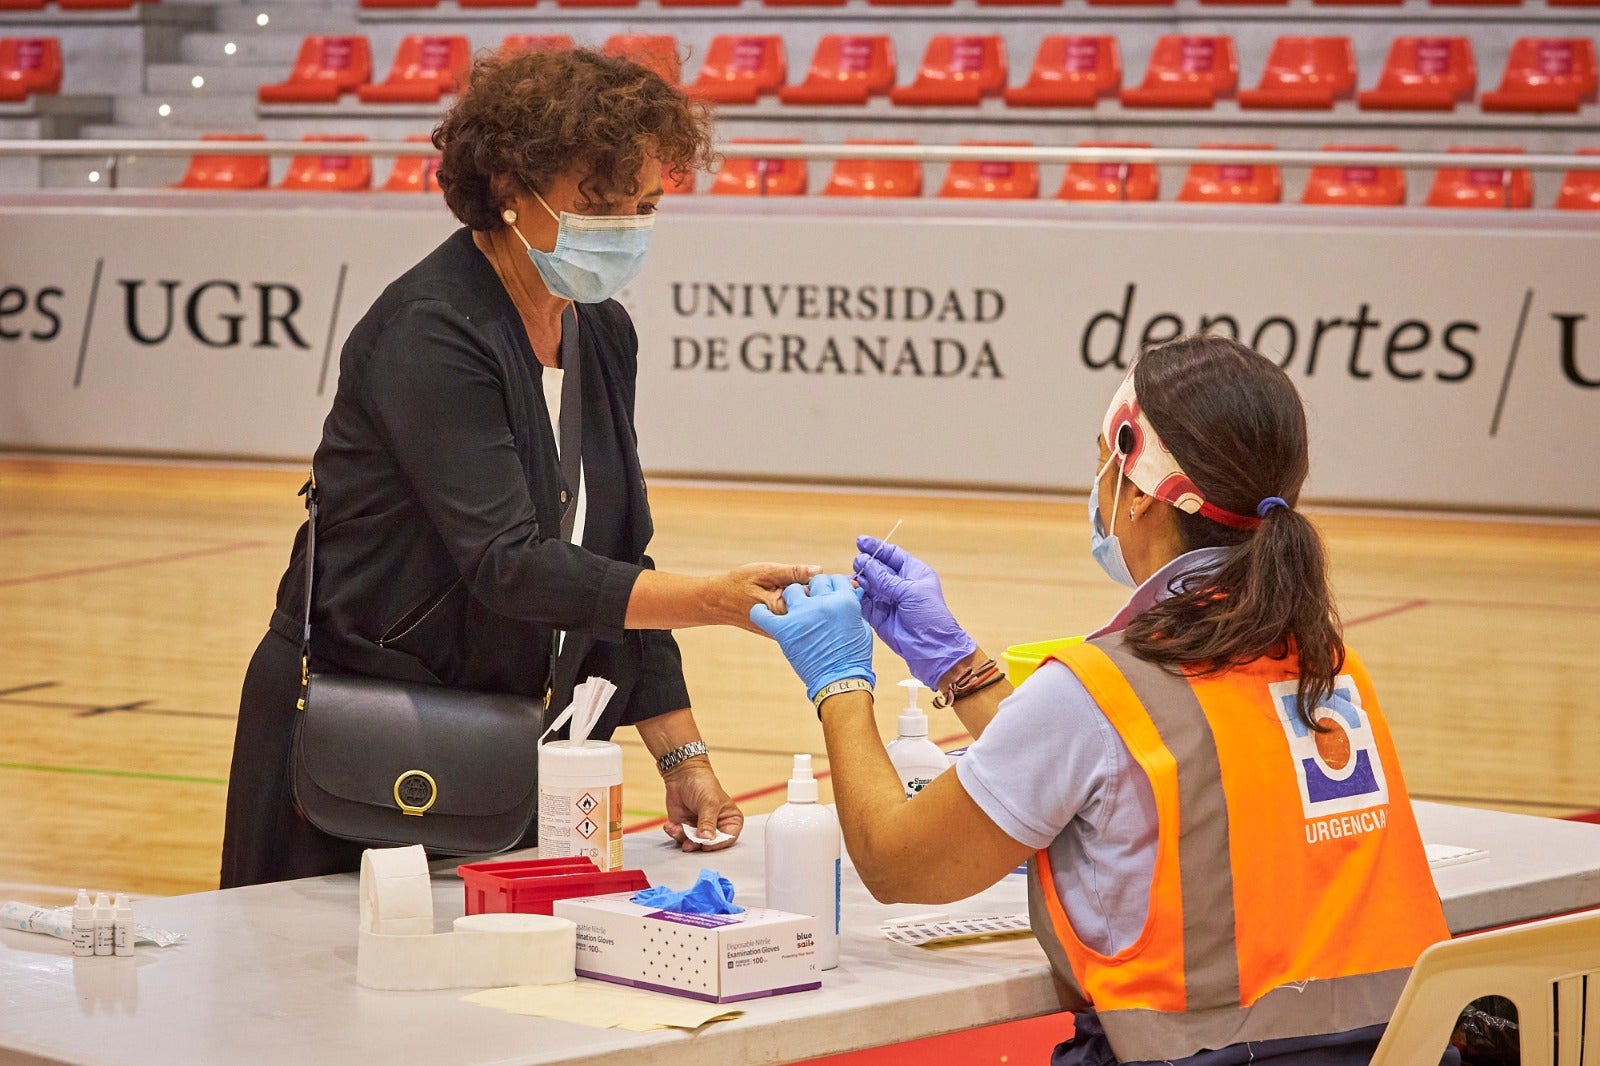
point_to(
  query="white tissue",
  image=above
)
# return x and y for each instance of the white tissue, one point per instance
(588, 702)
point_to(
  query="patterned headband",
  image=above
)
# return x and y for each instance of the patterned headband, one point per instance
(1148, 464)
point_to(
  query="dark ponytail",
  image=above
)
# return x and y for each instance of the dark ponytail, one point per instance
(1235, 423)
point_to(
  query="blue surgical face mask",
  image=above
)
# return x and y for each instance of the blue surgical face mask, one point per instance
(594, 256)
(1103, 544)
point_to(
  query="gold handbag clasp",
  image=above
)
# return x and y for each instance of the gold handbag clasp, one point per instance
(415, 791)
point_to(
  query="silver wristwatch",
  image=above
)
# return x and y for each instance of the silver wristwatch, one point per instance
(681, 754)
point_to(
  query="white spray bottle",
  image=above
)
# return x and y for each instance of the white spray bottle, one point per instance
(803, 860)
(917, 760)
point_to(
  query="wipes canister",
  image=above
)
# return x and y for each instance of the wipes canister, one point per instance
(580, 801)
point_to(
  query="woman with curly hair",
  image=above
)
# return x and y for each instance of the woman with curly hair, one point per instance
(470, 533)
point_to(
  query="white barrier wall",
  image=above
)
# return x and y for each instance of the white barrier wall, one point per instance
(1445, 359)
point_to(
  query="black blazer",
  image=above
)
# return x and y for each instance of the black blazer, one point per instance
(438, 550)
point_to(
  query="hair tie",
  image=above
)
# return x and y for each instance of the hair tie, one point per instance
(1268, 504)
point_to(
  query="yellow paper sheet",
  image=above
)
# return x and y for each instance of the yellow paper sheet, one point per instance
(604, 1006)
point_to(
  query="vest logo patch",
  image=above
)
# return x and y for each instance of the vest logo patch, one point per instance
(1338, 770)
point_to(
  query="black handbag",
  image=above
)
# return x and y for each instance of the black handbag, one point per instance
(387, 762)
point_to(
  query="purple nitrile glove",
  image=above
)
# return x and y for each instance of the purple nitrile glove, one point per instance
(904, 604)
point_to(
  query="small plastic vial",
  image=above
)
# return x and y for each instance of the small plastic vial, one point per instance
(82, 925)
(104, 926)
(122, 927)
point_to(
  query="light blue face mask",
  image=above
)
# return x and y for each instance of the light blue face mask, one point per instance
(1103, 544)
(594, 256)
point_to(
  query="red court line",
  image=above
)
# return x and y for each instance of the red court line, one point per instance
(767, 790)
(1387, 612)
(129, 564)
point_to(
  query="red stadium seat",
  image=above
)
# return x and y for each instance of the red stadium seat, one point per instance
(1342, 186)
(1359, 3)
(847, 69)
(598, 3)
(1070, 72)
(805, 3)
(326, 68)
(329, 173)
(911, 3)
(761, 177)
(1131, 3)
(1545, 74)
(1580, 189)
(700, 3)
(1186, 72)
(426, 67)
(1476, 3)
(1304, 74)
(414, 173)
(94, 5)
(29, 65)
(21, 5)
(492, 3)
(227, 171)
(1232, 183)
(740, 69)
(1480, 187)
(657, 51)
(1257, 3)
(1573, 3)
(874, 177)
(957, 70)
(399, 3)
(992, 180)
(1020, 3)
(1110, 181)
(536, 42)
(1424, 74)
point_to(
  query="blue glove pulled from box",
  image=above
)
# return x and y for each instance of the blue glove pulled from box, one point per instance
(711, 893)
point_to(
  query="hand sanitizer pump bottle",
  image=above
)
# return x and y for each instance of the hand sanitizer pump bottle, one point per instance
(916, 759)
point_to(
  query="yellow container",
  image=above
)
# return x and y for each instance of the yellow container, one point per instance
(1023, 659)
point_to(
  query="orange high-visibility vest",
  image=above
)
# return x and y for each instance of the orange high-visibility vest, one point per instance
(1291, 893)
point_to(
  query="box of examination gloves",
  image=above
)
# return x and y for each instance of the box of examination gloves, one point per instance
(719, 958)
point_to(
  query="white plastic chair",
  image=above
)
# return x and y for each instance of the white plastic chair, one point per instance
(1549, 969)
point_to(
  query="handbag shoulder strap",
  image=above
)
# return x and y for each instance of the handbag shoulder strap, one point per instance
(570, 431)
(309, 491)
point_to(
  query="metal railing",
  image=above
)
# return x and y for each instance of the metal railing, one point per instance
(113, 151)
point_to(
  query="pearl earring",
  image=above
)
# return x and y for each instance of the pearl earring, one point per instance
(1131, 514)
(510, 216)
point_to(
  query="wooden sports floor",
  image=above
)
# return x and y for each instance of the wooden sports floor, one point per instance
(131, 597)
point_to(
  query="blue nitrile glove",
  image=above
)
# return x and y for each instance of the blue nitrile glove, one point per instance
(711, 893)
(904, 603)
(823, 635)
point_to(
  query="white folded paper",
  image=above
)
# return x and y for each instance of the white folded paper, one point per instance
(397, 949)
(588, 702)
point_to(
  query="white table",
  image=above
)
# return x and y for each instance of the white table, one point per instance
(268, 973)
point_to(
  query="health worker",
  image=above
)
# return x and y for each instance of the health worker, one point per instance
(1224, 862)
(483, 518)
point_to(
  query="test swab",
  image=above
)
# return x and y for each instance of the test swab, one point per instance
(884, 543)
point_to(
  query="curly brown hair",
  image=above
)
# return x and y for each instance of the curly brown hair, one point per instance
(532, 116)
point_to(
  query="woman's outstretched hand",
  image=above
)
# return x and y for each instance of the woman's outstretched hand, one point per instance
(757, 583)
(904, 604)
